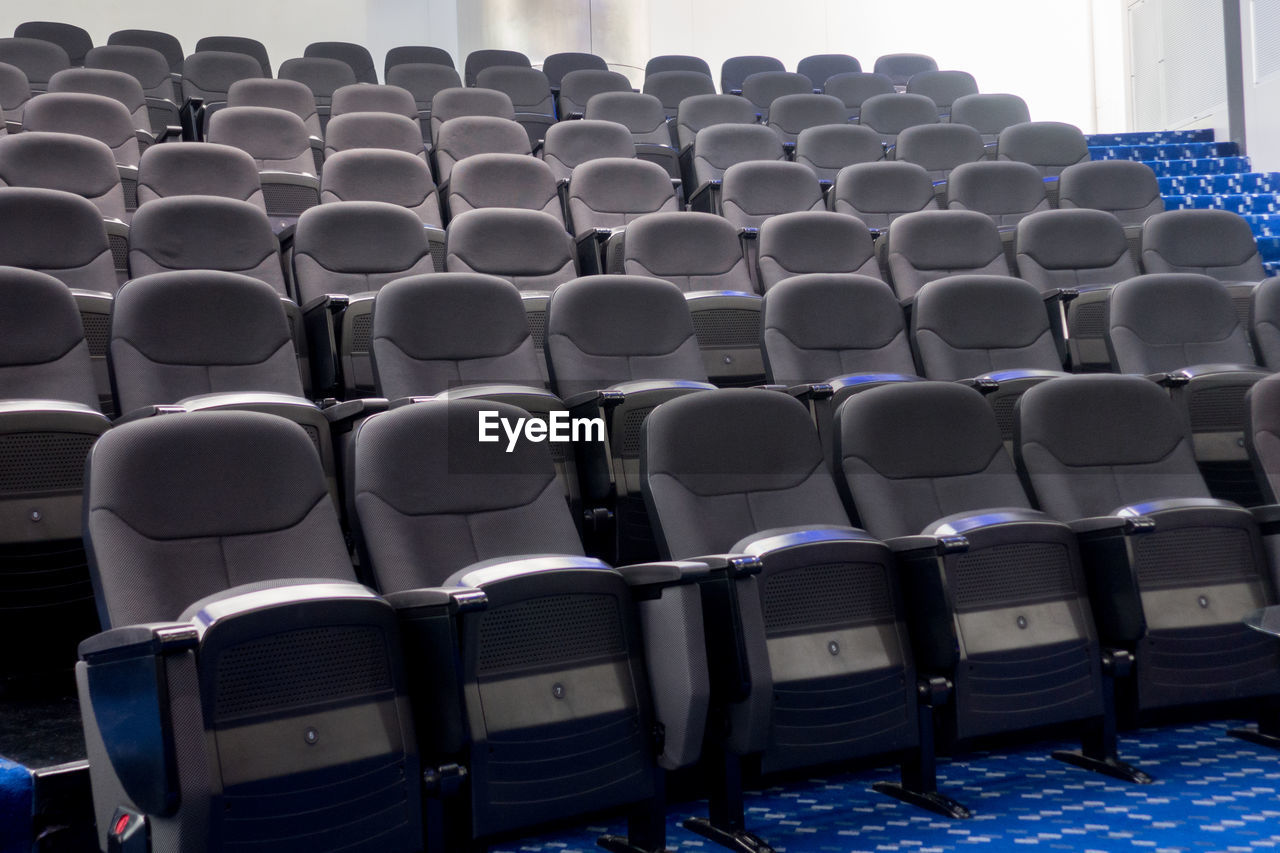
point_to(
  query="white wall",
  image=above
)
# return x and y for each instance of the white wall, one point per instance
(1261, 97)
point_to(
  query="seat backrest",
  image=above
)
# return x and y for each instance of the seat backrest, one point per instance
(676, 62)
(672, 87)
(1126, 189)
(889, 115)
(289, 95)
(116, 85)
(933, 244)
(698, 112)
(373, 130)
(442, 330)
(694, 251)
(1262, 433)
(478, 60)
(468, 136)
(356, 56)
(939, 148)
(431, 500)
(357, 247)
(828, 148)
(423, 80)
(607, 329)
(577, 87)
(176, 335)
(718, 466)
(370, 174)
(942, 87)
(238, 44)
(736, 69)
(1050, 146)
(503, 180)
(321, 75)
(416, 54)
(39, 60)
(528, 88)
(208, 74)
(14, 92)
(180, 507)
(76, 41)
(1265, 323)
(557, 65)
(756, 190)
(901, 67)
(970, 325)
(613, 192)
(61, 161)
(95, 116)
(1073, 248)
(146, 65)
(855, 87)
(720, 146)
(194, 232)
(1216, 243)
(764, 87)
(58, 233)
(814, 242)
(43, 354)
(530, 249)
(879, 193)
(791, 114)
(820, 67)
(912, 453)
(1166, 321)
(990, 114)
(819, 326)
(276, 139)
(1093, 443)
(198, 168)
(571, 143)
(642, 115)
(168, 45)
(374, 98)
(1002, 189)
(458, 102)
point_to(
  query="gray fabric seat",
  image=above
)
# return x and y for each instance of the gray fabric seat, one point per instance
(940, 148)
(1003, 190)
(933, 244)
(281, 148)
(702, 111)
(820, 67)
(39, 60)
(14, 95)
(44, 355)
(944, 88)
(578, 87)
(530, 93)
(764, 87)
(1264, 323)
(116, 85)
(990, 114)
(1262, 432)
(612, 192)
(61, 161)
(829, 148)
(478, 60)
(854, 88)
(645, 118)
(571, 143)
(814, 242)
(453, 103)
(736, 69)
(150, 68)
(789, 115)
(1050, 146)
(199, 168)
(76, 41)
(672, 87)
(355, 56)
(556, 65)
(901, 67)
(415, 54)
(373, 130)
(880, 193)
(322, 76)
(1216, 243)
(468, 136)
(97, 117)
(889, 115)
(168, 46)
(59, 233)
(424, 80)
(676, 62)
(396, 177)
(529, 248)
(238, 44)
(373, 98)
(720, 146)
(503, 180)
(289, 95)
(1124, 188)
(754, 191)
(208, 75)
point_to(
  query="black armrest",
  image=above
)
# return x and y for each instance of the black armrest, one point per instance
(455, 599)
(343, 413)
(1100, 525)
(1268, 518)
(703, 198)
(812, 391)
(664, 574)
(135, 641)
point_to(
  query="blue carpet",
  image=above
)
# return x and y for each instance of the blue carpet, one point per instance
(15, 808)
(1212, 793)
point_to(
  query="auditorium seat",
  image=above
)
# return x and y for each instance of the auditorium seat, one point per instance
(373, 98)
(503, 180)
(556, 65)
(720, 146)
(889, 115)
(789, 115)
(530, 93)
(855, 87)
(97, 117)
(415, 54)
(606, 195)
(571, 143)
(736, 69)
(356, 57)
(880, 193)
(1124, 188)
(938, 149)
(238, 44)
(676, 62)
(458, 102)
(208, 75)
(37, 59)
(754, 191)
(167, 44)
(75, 164)
(76, 41)
(478, 60)
(933, 244)
(672, 87)
(944, 88)
(764, 87)
(578, 87)
(1264, 323)
(116, 85)
(199, 168)
(151, 70)
(1216, 243)
(423, 80)
(288, 95)
(281, 148)
(530, 249)
(820, 67)
(14, 95)
(814, 242)
(901, 67)
(374, 130)
(1050, 146)
(702, 111)
(370, 174)
(469, 136)
(646, 119)
(990, 114)
(829, 148)
(322, 76)
(1006, 191)
(1262, 430)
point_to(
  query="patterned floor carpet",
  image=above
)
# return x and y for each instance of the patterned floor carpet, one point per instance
(1212, 793)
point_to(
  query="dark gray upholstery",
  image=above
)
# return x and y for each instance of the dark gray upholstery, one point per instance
(556, 65)
(95, 116)
(37, 59)
(1262, 432)
(198, 168)
(416, 54)
(168, 46)
(43, 354)
(695, 251)
(356, 247)
(571, 143)
(814, 242)
(181, 334)
(530, 249)
(643, 115)
(767, 471)
(356, 56)
(396, 177)
(915, 452)
(676, 62)
(435, 332)
(820, 326)
(756, 190)
(718, 147)
(61, 161)
(577, 87)
(789, 115)
(879, 193)
(1004, 190)
(1094, 443)
(431, 500)
(613, 192)
(478, 60)
(1216, 243)
(503, 180)
(373, 130)
(238, 44)
(1166, 321)
(424, 80)
(933, 244)
(208, 75)
(820, 67)
(672, 87)
(855, 87)
(76, 41)
(116, 85)
(971, 325)
(150, 68)
(322, 76)
(199, 232)
(697, 112)
(990, 114)
(467, 136)
(458, 102)
(889, 115)
(829, 148)
(940, 148)
(289, 95)
(901, 67)
(1265, 323)
(944, 88)
(14, 94)
(1126, 189)
(736, 69)
(373, 98)
(58, 233)
(530, 94)
(277, 140)
(606, 329)
(1073, 248)
(764, 87)
(181, 507)
(1050, 146)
